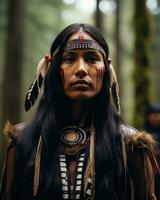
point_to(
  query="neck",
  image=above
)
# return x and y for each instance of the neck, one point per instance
(75, 112)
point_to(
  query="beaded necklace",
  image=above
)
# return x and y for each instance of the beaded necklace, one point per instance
(75, 143)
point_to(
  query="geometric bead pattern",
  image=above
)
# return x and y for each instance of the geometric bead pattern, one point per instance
(68, 191)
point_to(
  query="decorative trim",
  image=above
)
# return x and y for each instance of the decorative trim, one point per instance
(85, 44)
(73, 140)
(72, 191)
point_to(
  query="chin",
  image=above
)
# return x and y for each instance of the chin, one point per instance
(80, 96)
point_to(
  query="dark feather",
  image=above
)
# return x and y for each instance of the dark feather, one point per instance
(33, 92)
(115, 96)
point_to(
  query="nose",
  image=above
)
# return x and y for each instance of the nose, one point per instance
(81, 70)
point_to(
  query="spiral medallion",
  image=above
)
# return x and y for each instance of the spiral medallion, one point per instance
(72, 136)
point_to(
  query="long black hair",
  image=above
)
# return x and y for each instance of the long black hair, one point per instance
(109, 170)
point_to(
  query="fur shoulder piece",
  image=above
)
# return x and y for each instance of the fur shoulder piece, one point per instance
(13, 131)
(135, 139)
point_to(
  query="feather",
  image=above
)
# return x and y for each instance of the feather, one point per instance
(33, 92)
(115, 96)
(114, 88)
(35, 87)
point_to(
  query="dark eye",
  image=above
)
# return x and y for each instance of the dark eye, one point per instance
(91, 59)
(69, 59)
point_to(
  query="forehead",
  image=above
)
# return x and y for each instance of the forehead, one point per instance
(79, 34)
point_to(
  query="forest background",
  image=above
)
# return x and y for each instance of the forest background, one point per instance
(131, 29)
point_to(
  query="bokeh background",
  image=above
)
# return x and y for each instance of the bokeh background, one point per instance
(131, 29)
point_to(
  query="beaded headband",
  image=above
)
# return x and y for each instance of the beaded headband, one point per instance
(83, 44)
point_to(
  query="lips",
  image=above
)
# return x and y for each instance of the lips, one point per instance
(81, 82)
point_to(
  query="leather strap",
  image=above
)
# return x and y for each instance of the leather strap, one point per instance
(154, 162)
(37, 167)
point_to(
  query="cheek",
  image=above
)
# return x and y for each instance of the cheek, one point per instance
(99, 78)
(65, 78)
(100, 72)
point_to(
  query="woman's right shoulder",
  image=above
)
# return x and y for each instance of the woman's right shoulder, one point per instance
(13, 132)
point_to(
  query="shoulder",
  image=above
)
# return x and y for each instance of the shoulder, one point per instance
(135, 139)
(13, 132)
(139, 148)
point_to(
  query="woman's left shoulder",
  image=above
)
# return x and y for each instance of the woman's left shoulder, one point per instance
(141, 162)
(135, 139)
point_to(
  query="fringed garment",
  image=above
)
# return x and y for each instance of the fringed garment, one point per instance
(77, 165)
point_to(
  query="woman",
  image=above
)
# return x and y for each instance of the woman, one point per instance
(76, 146)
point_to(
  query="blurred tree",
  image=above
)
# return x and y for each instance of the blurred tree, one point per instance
(118, 35)
(98, 16)
(3, 8)
(156, 60)
(118, 46)
(142, 51)
(12, 82)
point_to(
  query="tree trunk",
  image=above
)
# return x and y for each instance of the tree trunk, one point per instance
(12, 83)
(142, 72)
(156, 60)
(98, 16)
(118, 47)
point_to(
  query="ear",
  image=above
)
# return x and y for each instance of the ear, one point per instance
(109, 61)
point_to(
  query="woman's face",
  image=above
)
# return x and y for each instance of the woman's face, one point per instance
(82, 71)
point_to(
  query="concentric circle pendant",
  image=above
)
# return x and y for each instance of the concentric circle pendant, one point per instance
(72, 136)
